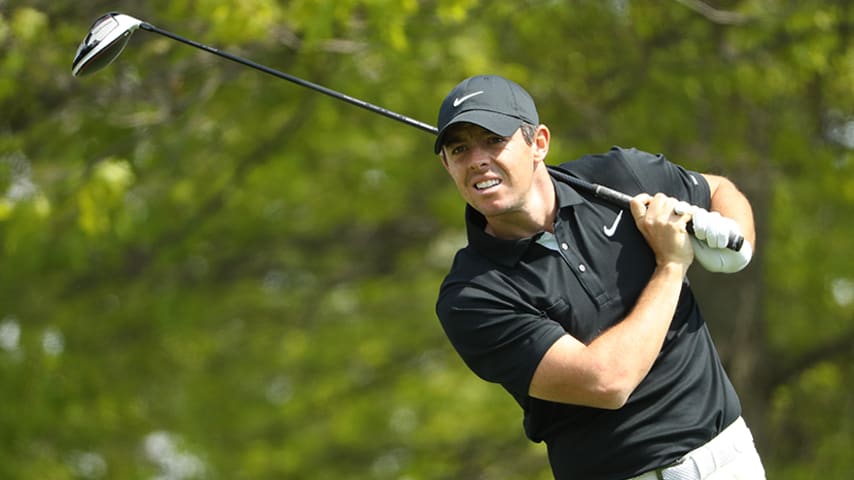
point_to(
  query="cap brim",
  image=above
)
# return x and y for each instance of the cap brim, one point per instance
(497, 123)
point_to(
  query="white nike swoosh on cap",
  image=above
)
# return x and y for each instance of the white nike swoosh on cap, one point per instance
(460, 100)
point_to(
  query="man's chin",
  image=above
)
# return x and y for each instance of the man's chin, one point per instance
(490, 209)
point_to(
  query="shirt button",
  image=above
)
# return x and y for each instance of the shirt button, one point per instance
(582, 268)
(564, 246)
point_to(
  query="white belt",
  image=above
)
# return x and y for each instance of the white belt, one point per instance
(702, 461)
(651, 475)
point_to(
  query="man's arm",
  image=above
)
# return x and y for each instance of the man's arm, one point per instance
(731, 203)
(729, 213)
(604, 373)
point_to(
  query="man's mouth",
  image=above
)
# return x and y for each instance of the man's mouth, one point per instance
(486, 184)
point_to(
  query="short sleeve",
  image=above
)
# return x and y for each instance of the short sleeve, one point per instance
(497, 342)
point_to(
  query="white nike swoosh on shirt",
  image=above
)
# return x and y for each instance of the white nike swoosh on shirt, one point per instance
(460, 100)
(609, 232)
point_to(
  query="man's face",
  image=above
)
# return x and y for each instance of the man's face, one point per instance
(492, 173)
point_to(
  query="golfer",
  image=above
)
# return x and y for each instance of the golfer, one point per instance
(582, 310)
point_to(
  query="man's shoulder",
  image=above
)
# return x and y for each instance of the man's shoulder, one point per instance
(632, 171)
(593, 164)
(468, 265)
(615, 168)
(474, 277)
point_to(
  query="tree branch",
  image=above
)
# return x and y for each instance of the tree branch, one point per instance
(840, 346)
(722, 17)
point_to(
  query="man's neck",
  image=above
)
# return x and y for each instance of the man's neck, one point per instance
(537, 215)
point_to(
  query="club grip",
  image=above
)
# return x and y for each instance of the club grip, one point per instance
(611, 195)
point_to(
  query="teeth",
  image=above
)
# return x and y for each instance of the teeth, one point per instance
(486, 184)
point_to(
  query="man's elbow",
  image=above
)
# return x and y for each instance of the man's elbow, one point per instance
(612, 383)
(569, 373)
(607, 394)
(613, 395)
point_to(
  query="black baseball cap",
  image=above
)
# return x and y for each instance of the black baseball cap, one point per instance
(490, 101)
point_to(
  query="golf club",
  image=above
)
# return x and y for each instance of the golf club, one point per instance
(109, 35)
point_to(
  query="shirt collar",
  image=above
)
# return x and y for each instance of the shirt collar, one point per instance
(507, 253)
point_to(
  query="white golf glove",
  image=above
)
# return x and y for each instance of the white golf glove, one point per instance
(712, 227)
(711, 235)
(721, 260)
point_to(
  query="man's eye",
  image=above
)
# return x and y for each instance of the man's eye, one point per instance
(497, 139)
(458, 149)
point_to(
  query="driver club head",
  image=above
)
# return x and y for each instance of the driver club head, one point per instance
(105, 41)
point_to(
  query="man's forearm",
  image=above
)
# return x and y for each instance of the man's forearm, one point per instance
(632, 346)
(604, 373)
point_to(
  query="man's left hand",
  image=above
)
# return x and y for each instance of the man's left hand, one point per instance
(715, 230)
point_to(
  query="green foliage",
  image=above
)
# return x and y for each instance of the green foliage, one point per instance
(209, 273)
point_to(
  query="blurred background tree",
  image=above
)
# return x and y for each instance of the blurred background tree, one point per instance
(209, 273)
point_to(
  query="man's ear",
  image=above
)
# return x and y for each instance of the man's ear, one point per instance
(541, 143)
(443, 157)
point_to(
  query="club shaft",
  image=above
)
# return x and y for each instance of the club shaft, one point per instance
(284, 76)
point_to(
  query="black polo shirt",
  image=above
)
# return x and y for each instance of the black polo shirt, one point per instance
(505, 302)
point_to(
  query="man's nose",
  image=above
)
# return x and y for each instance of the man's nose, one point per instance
(480, 157)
